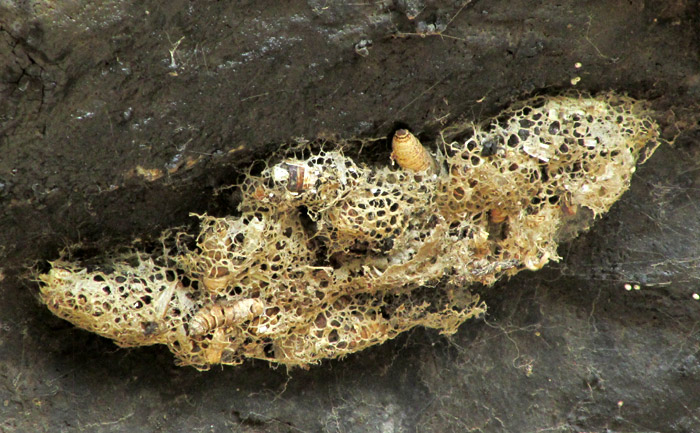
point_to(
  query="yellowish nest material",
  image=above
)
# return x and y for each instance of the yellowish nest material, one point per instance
(329, 257)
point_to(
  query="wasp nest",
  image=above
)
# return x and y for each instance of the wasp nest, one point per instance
(328, 257)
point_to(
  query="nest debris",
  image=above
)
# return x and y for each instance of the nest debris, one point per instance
(328, 257)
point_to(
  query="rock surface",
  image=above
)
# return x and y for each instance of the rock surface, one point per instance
(118, 118)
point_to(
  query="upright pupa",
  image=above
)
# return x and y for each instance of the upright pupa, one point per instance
(497, 215)
(410, 154)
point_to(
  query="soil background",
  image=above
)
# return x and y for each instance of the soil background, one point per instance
(119, 118)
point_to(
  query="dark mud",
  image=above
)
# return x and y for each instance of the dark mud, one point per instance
(119, 118)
